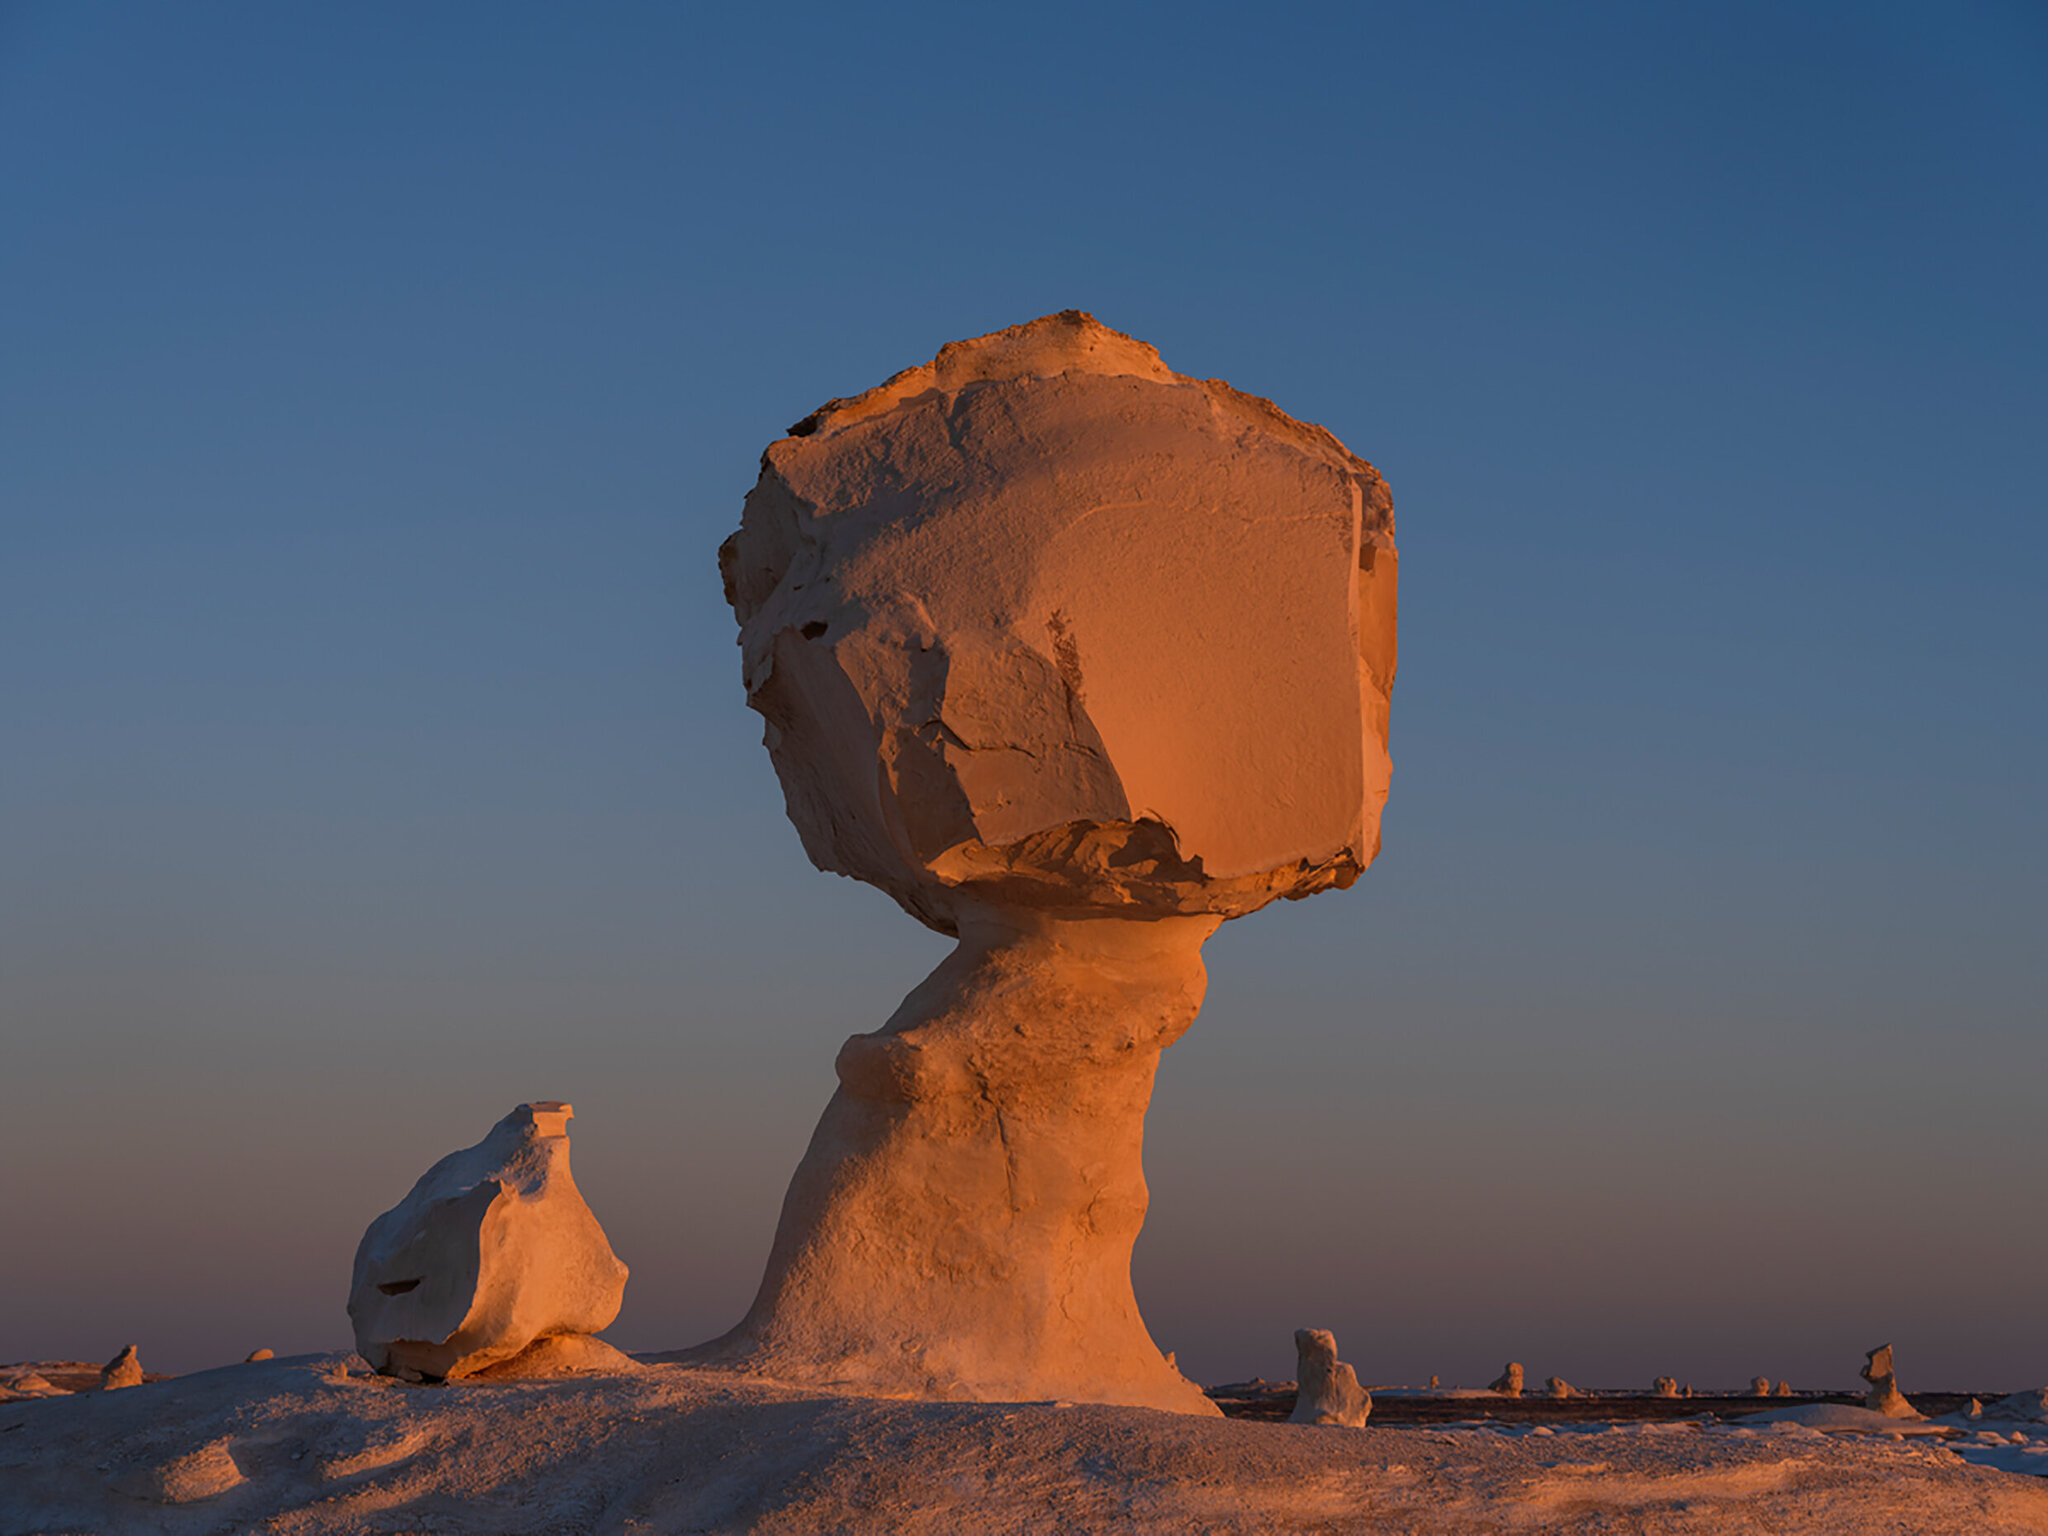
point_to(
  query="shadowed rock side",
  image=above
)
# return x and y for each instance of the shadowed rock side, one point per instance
(493, 1250)
(1327, 1390)
(1076, 658)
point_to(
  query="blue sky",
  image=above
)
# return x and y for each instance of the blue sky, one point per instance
(376, 385)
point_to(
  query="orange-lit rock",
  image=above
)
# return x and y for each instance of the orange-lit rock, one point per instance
(124, 1370)
(493, 1250)
(1509, 1381)
(1884, 1395)
(1076, 658)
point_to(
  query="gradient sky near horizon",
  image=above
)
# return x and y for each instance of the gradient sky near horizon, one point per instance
(377, 382)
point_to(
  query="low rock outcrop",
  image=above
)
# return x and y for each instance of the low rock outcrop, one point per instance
(124, 1370)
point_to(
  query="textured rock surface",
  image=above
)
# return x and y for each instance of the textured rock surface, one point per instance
(1326, 1389)
(1884, 1396)
(1760, 1386)
(124, 1370)
(1509, 1381)
(674, 1450)
(1557, 1386)
(2030, 1406)
(493, 1249)
(1665, 1386)
(1076, 658)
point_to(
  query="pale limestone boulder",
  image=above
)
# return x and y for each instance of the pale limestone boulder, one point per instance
(1075, 657)
(493, 1250)
(124, 1370)
(1326, 1389)
(1760, 1386)
(1043, 623)
(1665, 1386)
(1884, 1395)
(1509, 1382)
(1557, 1386)
(1783, 1389)
(259, 1354)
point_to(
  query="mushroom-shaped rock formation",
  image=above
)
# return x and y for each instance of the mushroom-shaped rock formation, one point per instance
(1326, 1389)
(1509, 1381)
(1884, 1394)
(492, 1251)
(1075, 657)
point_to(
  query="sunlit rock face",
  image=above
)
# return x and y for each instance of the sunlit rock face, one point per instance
(493, 1250)
(1076, 658)
(1045, 623)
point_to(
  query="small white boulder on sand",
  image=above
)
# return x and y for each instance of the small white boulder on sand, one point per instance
(124, 1370)
(1783, 1389)
(1665, 1386)
(1557, 1386)
(1884, 1396)
(1509, 1382)
(492, 1251)
(1326, 1390)
(1760, 1386)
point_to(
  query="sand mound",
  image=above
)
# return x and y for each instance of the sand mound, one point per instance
(298, 1445)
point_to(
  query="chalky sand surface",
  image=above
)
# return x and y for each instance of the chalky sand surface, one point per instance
(1076, 658)
(296, 1448)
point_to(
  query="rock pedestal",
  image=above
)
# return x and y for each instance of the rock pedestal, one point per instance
(1076, 658)
(1884, 1395)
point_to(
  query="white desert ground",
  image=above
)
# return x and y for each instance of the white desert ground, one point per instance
(318, 1444)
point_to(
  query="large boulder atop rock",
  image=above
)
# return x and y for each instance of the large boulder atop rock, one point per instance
(1326, 1389)
(493, 1250)
(1045, 623)
(1884, 1395)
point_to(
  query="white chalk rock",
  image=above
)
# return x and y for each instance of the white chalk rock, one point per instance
(1557, 1386)
(202, 1474)
(493, 1250)
(1509, 1382)
(1043, 622)
(124, 1370)
(1665, 1386)
(1326, 1389)
(1783, 1389)
(1760, 1386)
(1884, 1395)
(1075, 657)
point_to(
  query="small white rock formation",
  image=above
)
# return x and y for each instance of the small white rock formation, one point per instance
(1509, 1382)
(1326, 1389)
(1435, 1384)
(1884, 1396)
(1557, 1386)
(124, 1370)
(1783, 1389)
(1760, 1386)
(1075, 657)
(259, 1354)
(492, 1251)
(1665, 1386)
